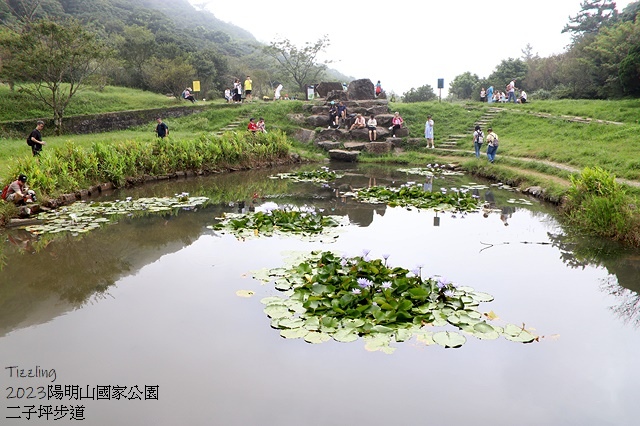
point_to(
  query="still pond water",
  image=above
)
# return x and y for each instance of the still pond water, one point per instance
(151, 301)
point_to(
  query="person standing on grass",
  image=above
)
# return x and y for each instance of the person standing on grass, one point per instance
(492, 145)
(478, 139)
(428, 132)
(248, 83)
(162, 129)
(35, 139)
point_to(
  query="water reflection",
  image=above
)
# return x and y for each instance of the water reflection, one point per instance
(151, 300)
(46, 276)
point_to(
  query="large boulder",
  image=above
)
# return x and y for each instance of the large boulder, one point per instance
(328, 145)
(344, 155)
(304, 135)
(324, 88)
(318, 120)
(379, 147)
(361, 89)
(337, 95)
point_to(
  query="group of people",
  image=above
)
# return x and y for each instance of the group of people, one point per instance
(509, 95)
(259, 127)
(491, 139)
(337, 114)
(371, 124)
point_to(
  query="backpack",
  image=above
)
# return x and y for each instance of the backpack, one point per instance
(184, 94)
(479, 138)
(5, 192)
(29, 141)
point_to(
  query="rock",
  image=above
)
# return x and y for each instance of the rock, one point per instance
(361, 89)
(332, 134)
(328, 145)
(320, 110)
(318, 120)
(344, 155)
(355, 146)
(384, 120)
(536, 191)
(324, 88)
(379, 147)
(296, 118)
(305, 135)
(337, 95)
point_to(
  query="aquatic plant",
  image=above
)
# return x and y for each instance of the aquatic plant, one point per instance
(82, 217)
(284, 220)
(412, 194)
(324, 175)
(345, 298)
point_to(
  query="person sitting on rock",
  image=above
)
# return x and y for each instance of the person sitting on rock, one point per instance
(333, 115)
(396, 124)
(372, 123)
(342, 114)
(359, 123)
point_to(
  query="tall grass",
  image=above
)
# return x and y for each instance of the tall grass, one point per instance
(70, 168)
(597, 205)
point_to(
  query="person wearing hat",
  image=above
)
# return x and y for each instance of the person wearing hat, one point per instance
(478, 139)
(18, 193)
(188, 96)
(35, 139)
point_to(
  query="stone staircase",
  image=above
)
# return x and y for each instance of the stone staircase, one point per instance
(239, 124)
(451, 141)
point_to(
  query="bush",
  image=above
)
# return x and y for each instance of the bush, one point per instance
(597, 205)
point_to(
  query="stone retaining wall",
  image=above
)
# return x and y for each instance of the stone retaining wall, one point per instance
(98, 123)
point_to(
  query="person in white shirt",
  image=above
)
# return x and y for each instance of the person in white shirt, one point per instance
(372, 123)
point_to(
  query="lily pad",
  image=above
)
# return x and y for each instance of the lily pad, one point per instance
(449, 339)
(245, 293)
(316, 337)
(294, 333)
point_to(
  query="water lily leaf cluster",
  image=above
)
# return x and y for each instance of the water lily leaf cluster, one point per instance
(82, 217)
(324, 175)
(327, 296)
(280, 221)
(413, 194)
(432, 170)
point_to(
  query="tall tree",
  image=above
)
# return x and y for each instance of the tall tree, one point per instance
(464, 85)
(54, 58)
(593, 14)
(299, 63)
(421, 94)
(507, 70)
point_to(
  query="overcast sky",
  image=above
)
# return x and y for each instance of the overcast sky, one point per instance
(409, 43)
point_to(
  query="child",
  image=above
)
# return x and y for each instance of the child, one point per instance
(261, 125)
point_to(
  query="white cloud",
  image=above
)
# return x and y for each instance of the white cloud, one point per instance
(406, 43)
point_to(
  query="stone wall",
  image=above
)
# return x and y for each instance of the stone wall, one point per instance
(98, 123)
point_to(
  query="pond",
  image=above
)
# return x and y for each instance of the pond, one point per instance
(141, 321)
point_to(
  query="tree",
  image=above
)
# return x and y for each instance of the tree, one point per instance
(593, 14)
(509, 69)
(56, 58)
(136, 47)
(300, 64)
(421, 94)
(464, 85)
(168, 75)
